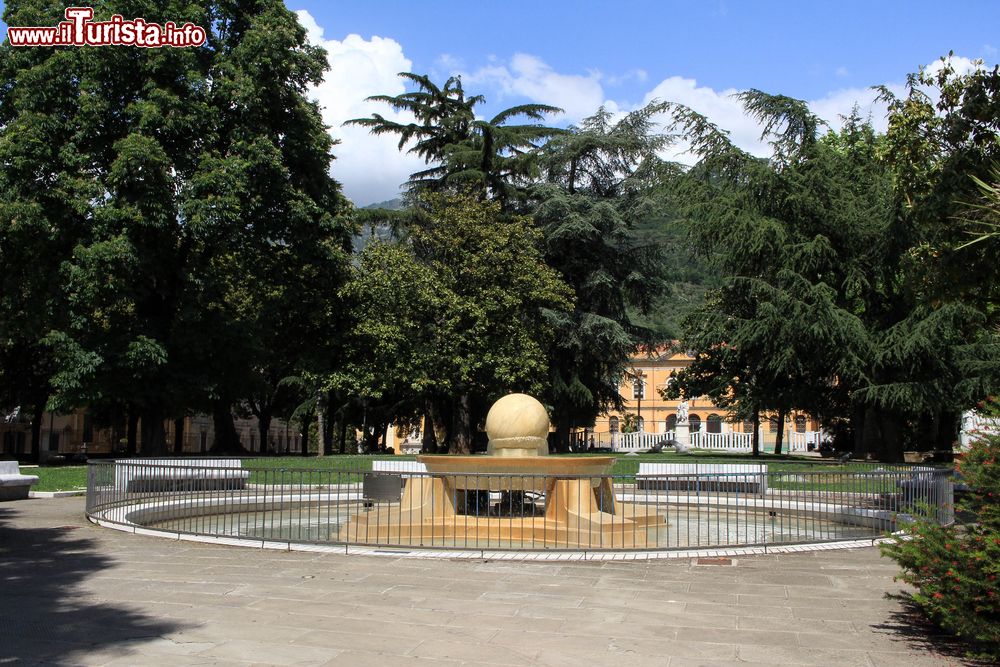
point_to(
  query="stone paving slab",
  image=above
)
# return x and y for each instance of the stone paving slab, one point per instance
(72, 593)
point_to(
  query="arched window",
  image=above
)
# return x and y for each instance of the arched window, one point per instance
(694, 423)
(714, 424)
(613, 424)
(672, 423)
(748, 426)
(800, 424)
(772, 424)
(640, 424)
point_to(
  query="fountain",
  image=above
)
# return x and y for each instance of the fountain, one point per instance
(556, 502)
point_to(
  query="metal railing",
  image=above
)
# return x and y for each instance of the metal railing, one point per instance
(358, 506)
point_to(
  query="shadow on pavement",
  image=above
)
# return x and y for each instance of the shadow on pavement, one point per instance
(45, 618)
(910, 625)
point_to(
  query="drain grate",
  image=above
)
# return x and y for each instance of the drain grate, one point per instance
(714, 561)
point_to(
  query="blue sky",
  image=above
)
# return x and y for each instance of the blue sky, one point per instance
(579, 55)
(804, 49)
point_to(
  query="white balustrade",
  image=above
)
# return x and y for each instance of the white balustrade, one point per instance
(722, 441)
(639, 441)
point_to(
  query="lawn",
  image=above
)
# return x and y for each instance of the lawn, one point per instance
(819, 473)
(58, 478)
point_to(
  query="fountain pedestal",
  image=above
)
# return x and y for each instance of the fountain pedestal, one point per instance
(580, 506)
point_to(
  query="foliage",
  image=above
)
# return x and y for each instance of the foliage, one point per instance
(491, 157)
(600, 180)
(941, 144)
(793, 237)
(822, 308)
(956, 569)
(188, 239)
(452, 318)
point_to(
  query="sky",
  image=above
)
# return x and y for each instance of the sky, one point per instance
(581, 54)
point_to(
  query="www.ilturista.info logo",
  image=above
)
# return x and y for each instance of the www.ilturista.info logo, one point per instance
(79, 30)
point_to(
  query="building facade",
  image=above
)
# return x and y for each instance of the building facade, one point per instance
(75, 434)
(646, 411)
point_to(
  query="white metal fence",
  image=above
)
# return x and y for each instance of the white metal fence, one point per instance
(733, 442)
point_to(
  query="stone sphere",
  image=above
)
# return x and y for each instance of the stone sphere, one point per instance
(517, 416)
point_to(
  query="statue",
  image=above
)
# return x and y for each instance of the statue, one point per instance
(682, 412)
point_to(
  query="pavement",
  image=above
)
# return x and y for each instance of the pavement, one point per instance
(72, 593)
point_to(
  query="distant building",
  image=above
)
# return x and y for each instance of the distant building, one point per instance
(75, 433)
(646, 411)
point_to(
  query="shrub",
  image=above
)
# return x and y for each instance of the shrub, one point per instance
(956, 569)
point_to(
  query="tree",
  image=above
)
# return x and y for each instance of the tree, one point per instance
(42, 184)
(207, 196)
(451, 318)
(599, 182)
(818, 301)
(490, 157)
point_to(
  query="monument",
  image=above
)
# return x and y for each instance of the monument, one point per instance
(682, 430)
(516, 496)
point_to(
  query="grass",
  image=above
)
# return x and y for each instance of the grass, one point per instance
(58, 478)
(822, 474)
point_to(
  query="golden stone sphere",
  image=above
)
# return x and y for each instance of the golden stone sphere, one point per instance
(518, 418)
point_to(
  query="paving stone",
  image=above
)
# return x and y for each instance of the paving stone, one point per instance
(95, 596)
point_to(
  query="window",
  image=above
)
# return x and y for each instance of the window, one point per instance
(613, 424)
(800, 424)
(748, 426)
(714, 424)
(672, 423)
(772, 424)
(694, 422)
(640, 424)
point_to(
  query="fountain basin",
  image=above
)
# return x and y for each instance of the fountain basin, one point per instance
(516, 473)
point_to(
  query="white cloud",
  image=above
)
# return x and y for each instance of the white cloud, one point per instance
(528, 76)
(960, 64)
(842, 72)
(370, 168)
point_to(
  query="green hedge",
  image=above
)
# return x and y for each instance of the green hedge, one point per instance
(956, 569)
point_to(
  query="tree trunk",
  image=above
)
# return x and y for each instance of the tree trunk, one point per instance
(948, 425)
(780, 439)
(264, 427)
(443, 422)
(562, 437)
(35, 451)
(329, 422)
(132, 432)
(428, 443)
(892, 445)
(858, 426)
(756, 433)
(179, 436)
(870, 435)
(343, 433)
(306, 421)
(320, 427)
(226, 440)
(154, 437)
(461, 430)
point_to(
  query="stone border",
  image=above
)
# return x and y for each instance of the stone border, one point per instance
(491, 554)
(57, 494)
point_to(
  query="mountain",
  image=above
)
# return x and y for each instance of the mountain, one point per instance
(389, 204)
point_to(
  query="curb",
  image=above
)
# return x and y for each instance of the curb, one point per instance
(56, 494)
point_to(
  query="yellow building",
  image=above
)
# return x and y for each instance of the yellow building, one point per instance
(646, 411)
